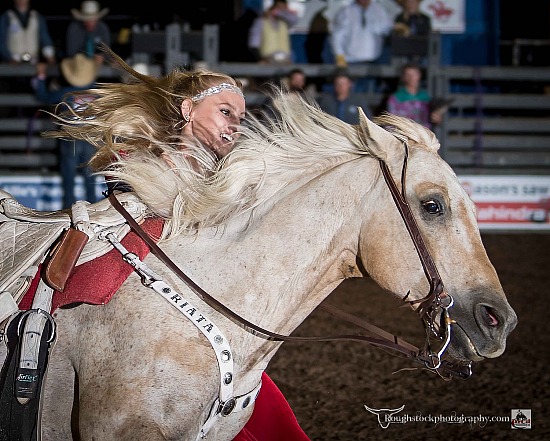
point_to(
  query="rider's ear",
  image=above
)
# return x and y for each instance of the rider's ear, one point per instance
(185, 108)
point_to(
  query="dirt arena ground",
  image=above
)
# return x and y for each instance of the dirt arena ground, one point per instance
(328, 384)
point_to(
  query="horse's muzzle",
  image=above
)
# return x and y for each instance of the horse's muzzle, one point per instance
(479, 330)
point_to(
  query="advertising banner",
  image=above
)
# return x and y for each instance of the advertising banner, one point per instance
(510, 202)
(448, 16)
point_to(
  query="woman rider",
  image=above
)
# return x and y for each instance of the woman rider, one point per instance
(191, 119)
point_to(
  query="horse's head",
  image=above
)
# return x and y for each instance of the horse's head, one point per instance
(480, 317)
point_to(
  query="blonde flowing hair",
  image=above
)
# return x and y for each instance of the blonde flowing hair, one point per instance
(135, 128)
(140, 121)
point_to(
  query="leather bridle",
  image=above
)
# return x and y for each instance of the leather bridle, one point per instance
(435, 304)
(437, 301)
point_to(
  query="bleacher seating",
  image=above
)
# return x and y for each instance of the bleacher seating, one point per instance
(499, 119)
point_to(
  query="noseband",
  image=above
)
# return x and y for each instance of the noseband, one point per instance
(431, 307)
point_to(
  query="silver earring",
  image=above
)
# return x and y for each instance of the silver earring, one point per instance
(183, 122)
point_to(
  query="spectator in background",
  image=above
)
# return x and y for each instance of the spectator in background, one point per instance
(294, 82)
(358, 35)
(411, 100)
(297, 83)
(317, 37)
(411, 21)
(343, 102)
(78, 73)
(24, 35)
(317, 43)
(269, 37)
(410, 33)
(88, 31)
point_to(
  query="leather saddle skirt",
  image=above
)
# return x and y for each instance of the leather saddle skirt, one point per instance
(27, 235)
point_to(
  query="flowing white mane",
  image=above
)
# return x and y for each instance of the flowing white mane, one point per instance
(271, 153)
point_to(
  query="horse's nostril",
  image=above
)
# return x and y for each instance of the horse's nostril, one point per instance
(489, 316)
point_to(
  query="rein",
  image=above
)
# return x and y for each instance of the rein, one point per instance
(428, 308)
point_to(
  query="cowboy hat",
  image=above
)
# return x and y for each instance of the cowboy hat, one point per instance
(89, 10)
(80, 70)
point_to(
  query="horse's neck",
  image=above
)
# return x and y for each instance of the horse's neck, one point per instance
(275, 272)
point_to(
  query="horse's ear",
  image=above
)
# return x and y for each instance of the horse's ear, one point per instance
(379, 141)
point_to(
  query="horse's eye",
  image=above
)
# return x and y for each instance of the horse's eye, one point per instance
(432, 206)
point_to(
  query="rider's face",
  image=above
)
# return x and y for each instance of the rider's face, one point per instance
(215, 121)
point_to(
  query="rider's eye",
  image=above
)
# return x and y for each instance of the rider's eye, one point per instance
(432, 206)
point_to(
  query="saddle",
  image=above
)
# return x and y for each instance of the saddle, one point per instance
(59, 239)
(56, 242)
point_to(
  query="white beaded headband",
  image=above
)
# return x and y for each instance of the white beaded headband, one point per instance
(217, 89)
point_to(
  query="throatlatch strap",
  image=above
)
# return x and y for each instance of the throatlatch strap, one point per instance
(21, 422)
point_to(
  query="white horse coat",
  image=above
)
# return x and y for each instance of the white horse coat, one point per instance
(135, 368)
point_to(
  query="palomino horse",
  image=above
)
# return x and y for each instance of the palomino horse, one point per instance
(300, 205)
